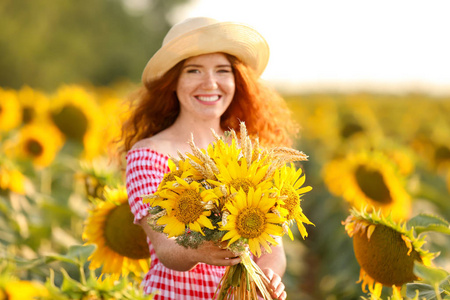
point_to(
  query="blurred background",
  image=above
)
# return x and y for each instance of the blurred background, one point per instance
(368, 83)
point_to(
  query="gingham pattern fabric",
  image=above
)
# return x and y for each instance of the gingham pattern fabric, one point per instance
(145, 170)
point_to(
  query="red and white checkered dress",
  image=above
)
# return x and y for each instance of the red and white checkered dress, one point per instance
(145, 170)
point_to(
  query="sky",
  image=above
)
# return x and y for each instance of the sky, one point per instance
(389, 45)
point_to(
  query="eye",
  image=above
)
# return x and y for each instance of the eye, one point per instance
(224, 70)
(192, 70)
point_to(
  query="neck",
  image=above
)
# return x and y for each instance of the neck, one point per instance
(200, 129)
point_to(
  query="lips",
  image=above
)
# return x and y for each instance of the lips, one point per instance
(211, 98)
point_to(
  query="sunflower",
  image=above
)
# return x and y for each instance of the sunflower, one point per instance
(121, 245)
(40, 143)
(251, 218)
(357, 119)
(12, 180)
(10, 113)
(76, 113)
(23, 290)
(385, 250)
(97, 174)
(181, 169)
(442, 156)
(224, 153)
(115, 115)
(288, 183)
(35, 105)
(369, 179)
(237, 175)
(187, 206)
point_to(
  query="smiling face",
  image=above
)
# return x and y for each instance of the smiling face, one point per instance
(206, 86)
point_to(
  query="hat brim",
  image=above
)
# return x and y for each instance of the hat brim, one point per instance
(236, 39)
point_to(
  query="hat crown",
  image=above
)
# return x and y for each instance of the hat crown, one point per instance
(186, 26)
(202, 35)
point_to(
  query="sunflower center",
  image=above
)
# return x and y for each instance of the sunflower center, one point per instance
(442, 153)
(350, 129)
(124, 237)
(372, 184)
(291, 202)
(34, 147)
(384, 257)
(189, 207)
(28, 114)
(72, 122)
(243, 183)
(171, 176)
(251, 222)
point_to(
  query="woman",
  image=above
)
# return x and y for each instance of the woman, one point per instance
(204, 76)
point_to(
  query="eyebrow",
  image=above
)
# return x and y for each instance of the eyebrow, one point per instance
(199, 66)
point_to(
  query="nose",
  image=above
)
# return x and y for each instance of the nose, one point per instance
(210, 81)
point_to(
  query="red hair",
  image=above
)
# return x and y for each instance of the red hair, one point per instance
(155, 107)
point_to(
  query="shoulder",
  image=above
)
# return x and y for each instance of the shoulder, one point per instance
(144, 155)
(144, 143)
(160, 142)
(166, 142)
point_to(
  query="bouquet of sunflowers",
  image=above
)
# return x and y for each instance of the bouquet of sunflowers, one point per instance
(233, 191)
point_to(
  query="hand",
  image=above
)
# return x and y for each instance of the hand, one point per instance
(275, 287)
(214, 254)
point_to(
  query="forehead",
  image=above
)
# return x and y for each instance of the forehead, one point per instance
(215, 58)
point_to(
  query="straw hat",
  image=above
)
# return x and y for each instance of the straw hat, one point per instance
(196, 36)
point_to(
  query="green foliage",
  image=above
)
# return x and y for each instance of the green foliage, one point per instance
(77, 255)
(425, 222)
(435, 286)
(89, 287)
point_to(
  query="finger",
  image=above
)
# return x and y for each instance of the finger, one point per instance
(279, 290)
(275, 281)
(225, 254)
(269, 273)
(232, 261)
(283, 296)
(223, 245)
(228, 261)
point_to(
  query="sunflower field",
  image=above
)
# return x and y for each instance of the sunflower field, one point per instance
(379, 166)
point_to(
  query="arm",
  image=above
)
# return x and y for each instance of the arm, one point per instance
(274, 265)
(275, 260)
(178, 258)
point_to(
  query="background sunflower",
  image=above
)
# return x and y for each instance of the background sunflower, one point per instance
(39, 142)
(10, 113)
(385, 250)
(121, 245)
(369, 179)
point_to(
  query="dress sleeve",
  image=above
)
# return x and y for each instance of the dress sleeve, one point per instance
(145, 170)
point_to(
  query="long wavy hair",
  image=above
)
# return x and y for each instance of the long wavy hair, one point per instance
(154, 107)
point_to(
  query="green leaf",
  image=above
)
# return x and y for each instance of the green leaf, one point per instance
(445, 284)
(29, 264)
(54, 292)
(72, 287)
(425, 291)
(430, 275)
(76, 255)
(425, 222)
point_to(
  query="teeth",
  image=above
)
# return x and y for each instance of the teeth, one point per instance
(208, 99)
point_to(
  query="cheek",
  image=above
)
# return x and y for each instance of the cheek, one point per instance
(182, 88)
(230, 86)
